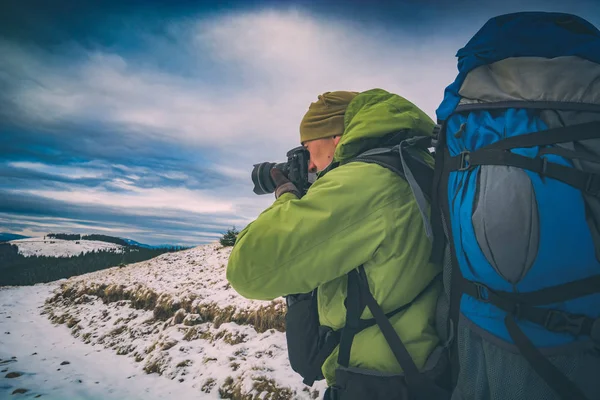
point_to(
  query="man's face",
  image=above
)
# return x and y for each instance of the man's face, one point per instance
(321, 152)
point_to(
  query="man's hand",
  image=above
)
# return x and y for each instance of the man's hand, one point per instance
(283, 184)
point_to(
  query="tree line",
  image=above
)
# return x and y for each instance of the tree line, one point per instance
(16, 269)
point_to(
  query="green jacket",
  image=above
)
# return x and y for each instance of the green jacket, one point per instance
(355, 214)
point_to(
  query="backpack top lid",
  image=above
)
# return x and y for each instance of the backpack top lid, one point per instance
(524, 34)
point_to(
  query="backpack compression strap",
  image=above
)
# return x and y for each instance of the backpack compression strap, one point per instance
(499, 153)
(525, 306)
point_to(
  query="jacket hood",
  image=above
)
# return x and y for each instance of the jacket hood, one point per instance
(375, 115)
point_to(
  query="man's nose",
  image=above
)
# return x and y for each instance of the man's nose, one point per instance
(312, 168)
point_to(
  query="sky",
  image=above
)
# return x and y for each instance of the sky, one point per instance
(143, 119)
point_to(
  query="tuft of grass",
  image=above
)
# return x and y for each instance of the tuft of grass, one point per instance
(124, 350)
(192, 319)
(169, 344)
(154, 366)
(179, 316)
(262, 388)
(230, 338)
(72, 322)
(208, 385)
(185, 363)
(232, 390)
(268, 386)
(151, 348)
(118, 330)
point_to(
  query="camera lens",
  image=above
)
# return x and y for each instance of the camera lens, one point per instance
(261, 177)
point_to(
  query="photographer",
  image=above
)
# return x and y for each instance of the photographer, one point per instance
(357, 221)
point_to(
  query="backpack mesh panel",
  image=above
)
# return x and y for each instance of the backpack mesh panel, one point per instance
(490, 372)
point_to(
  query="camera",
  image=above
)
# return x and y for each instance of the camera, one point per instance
(295, 169)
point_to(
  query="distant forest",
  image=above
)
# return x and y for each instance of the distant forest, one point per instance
(16, 269)
(102, 238)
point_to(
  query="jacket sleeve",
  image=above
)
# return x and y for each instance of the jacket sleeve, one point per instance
(297, 245)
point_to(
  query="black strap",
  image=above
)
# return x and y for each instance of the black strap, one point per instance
(437, 198)
(584, 181)
(440, 207)
(497, 154)
(333, 337)
(422, 172)
(411, 371)
(523, 305)
(354, 309)
(456, 294)
(419, 385)
(572, 133)
(536, 105)
(562, 385)
(563, 292)
(355, 305)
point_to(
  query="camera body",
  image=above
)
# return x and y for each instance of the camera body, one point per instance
(295, 169)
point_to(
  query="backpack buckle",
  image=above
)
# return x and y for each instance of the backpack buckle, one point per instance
(465, 161)
(483, 292)
(559, 321)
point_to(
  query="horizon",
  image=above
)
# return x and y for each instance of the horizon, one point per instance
(47, 234)
(143, 120)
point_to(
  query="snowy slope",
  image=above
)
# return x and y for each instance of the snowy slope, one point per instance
(176, 316)
(61, 248)
(43, 361)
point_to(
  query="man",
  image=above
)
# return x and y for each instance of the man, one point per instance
(355, 214)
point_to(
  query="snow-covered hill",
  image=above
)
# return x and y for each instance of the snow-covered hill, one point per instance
(176, 316)
(39, 246)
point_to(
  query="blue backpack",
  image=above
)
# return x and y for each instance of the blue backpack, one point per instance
(516, 211)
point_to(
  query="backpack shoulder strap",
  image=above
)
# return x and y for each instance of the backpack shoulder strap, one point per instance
(403, 159)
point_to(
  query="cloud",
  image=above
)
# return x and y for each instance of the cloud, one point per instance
(140, 199)
(154, 132)
(66, 171)
(279, 60)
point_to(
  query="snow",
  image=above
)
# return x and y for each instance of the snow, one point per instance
(188, 356)
(31, 345)
(61, 248)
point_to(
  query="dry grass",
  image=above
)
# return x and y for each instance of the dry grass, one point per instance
(208, 385)
(271, 316)
(169, 344)
(262, 388)
(155, 366)
(185, 363)
(179, 316)
(118, 330)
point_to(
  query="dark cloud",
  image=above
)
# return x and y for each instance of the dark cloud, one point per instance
(20, 212)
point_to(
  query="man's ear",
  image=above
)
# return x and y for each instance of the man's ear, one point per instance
(336, 140)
